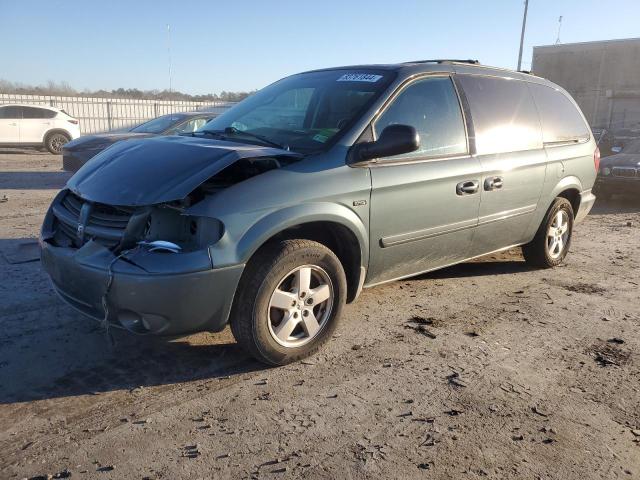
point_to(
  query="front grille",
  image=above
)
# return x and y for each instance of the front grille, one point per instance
(624, 172)
(78, 221)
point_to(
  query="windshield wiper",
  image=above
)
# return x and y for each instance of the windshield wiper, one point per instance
(235, 131)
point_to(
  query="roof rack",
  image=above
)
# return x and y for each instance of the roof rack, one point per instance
(447, 60)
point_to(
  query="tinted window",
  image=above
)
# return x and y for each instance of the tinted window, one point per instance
(430, 106)
(504, 115)
(561, 121)
(33, 112)
(158, 125)
(633, 147)
(190, 126)
(10, 112)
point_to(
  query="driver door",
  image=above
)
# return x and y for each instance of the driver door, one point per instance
(424, 205)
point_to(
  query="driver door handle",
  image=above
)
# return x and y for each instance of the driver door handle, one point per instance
(468, 187)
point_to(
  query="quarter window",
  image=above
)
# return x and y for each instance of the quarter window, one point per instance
(504, 115)
(561, 121)
(431, 106)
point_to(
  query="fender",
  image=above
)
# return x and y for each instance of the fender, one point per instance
(229, 252)
(565, 183)
(56, 130)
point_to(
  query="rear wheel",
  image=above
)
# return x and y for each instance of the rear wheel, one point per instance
(55, 141)
(289, 301)
(551, 244)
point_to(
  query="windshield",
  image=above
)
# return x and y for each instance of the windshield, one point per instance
(305, 112)
(158, 125)
(633, 147)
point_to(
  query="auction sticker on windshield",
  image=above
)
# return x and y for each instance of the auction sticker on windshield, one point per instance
(359, 77)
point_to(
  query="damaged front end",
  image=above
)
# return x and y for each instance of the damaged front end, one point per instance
(120, 244)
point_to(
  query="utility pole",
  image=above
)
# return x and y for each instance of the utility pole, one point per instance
(524, 25)
(559, 27)
(169, 53)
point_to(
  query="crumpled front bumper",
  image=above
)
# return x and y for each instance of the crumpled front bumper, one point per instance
(150, 293)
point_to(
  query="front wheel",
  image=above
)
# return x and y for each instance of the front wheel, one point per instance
(551, 244)
(289, 301)
(55, 141)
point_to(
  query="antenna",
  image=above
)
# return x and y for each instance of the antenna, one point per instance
(559, 27)
(169, 53)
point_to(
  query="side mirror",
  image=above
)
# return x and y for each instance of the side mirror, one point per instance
(616, 149)
(394, 140)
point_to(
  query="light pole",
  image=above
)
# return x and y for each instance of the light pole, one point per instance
(524, 25)
(169, 53)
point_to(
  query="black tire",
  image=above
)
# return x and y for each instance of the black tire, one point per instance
(537, 252)
(250, 316)
(55, 141)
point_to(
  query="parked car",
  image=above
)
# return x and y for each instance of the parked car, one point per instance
(282, 209)
(80, 151)
(36, 126)
(620, 173)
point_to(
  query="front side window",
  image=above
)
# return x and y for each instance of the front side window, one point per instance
(11, 112)
(504, 116)
(561, 121)
(158, 125)
(189, 126)
(431, 106)
(307, 112)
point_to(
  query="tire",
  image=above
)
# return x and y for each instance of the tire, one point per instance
(550, 247)
(268, 301)
(55, 141)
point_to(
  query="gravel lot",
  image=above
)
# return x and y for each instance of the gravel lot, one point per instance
(488, 369)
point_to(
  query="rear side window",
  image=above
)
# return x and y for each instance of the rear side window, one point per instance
(11, 112)
(561, 120)
(504, 115)
(431, 106)
(34, 112)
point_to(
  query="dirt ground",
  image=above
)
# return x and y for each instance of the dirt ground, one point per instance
(488, 369)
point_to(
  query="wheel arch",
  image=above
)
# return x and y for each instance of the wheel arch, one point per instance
(56, 130)
(569, 188)
(334, 226)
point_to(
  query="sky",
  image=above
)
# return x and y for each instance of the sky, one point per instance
(245, 45)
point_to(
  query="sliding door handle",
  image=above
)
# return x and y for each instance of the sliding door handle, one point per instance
(493, 183)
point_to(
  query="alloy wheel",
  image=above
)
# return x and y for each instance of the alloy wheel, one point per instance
(300, 306)
(558, 234)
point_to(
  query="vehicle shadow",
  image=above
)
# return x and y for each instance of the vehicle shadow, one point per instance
(33, 180)
(478, 268)
(26, 151)
(617, 204)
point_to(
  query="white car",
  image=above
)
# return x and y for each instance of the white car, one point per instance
(36, 126)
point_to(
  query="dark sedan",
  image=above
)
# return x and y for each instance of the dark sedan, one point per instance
(620, 173)
(78, 152)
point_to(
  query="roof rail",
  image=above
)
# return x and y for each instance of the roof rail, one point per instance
(447, 60)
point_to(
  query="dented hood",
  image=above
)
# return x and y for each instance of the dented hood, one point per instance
(161, 169)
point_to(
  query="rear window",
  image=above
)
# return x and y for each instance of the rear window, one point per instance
(504, 115)
(34, 112)
(561, 120)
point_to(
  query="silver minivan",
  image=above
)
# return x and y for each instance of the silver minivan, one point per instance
(279, 211)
